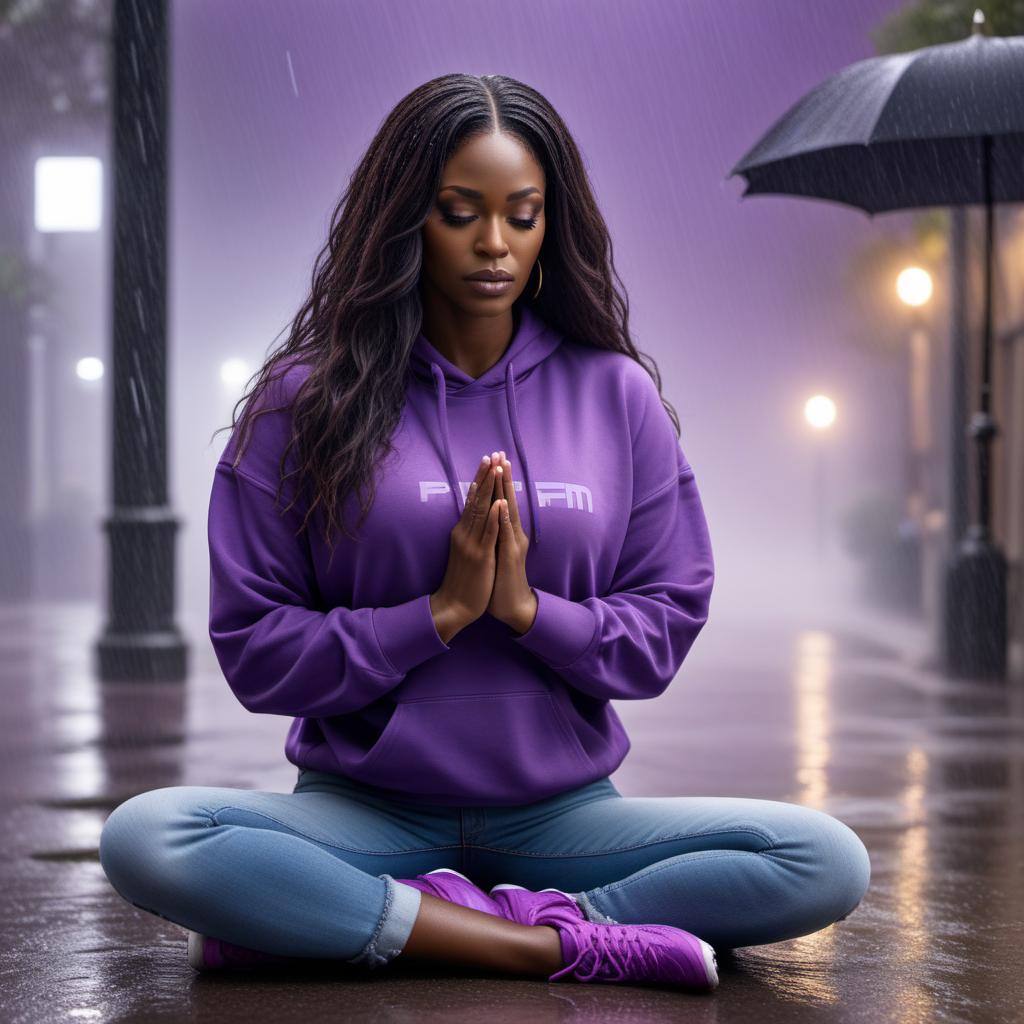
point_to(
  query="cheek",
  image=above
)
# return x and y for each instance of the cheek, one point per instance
(534, 239)
(438, 254)
(430, 240)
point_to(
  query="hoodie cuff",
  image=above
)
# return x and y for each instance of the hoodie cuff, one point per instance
(407, 634)
(562, 630)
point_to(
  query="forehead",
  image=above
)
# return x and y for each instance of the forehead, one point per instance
(494, 164)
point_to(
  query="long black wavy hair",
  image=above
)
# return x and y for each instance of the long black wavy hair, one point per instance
(363, 314)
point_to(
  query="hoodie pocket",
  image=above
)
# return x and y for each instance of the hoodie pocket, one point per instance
(501, 746)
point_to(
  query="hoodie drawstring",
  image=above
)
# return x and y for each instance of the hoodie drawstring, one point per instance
(513, 422)
(442, 415)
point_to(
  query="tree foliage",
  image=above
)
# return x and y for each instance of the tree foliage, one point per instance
(929, 22)
(53, 66)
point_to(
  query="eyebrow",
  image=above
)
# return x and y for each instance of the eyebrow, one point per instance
(471, 193)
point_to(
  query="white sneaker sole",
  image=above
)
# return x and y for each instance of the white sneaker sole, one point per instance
(195, 951)
(449, 871)
(509, 885)
(710, 962)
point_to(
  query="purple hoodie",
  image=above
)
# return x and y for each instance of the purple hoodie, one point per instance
(620, 561)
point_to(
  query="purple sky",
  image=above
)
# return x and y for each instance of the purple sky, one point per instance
(740, 303)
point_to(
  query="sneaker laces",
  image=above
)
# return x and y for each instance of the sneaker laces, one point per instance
(615, 952)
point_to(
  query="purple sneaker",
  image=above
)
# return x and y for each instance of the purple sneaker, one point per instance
(455, 887)
(523, 905)
(209, 954)
(654, 953)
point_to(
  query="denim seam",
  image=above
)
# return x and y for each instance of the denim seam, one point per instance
(369, 955)
(696, 855)
(638, 846)
(327, 842)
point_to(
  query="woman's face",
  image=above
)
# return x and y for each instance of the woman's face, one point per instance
(475, 225)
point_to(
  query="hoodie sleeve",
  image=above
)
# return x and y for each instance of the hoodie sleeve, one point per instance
(629, 643)
(279, 654)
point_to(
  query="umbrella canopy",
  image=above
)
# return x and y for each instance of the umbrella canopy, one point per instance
(904, 130)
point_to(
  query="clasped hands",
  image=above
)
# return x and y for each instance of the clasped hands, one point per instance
(512, 600)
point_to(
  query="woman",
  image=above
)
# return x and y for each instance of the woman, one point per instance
(450, 674)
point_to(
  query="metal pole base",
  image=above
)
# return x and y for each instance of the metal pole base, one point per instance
(141, 657)
(141, 641)
(974, 627)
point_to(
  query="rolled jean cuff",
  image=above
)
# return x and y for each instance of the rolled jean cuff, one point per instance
(591, 912)
(401, 906)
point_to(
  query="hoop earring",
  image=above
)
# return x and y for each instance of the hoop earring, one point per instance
(540, 280)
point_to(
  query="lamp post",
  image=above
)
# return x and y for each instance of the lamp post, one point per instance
(914, 288)
(820, 414)
(67, 197)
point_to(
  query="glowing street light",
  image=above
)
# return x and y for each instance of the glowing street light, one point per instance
(234, 372)
(68, 193)
(914, 286)
(820, 411)
(89, 368)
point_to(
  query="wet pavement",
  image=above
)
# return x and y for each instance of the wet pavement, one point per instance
(929, 772)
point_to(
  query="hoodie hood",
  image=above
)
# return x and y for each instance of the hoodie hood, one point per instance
(532, 342)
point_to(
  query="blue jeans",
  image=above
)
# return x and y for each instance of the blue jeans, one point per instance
(313, 873)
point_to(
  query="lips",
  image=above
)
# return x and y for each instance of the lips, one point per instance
(490, 287)
(489, 275)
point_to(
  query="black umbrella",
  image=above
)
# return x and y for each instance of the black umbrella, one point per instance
(941, 125)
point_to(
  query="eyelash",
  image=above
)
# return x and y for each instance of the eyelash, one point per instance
(525, 225)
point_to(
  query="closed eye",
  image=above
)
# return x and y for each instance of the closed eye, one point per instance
(525, 225)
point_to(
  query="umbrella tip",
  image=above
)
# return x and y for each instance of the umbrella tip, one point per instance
(978, 22)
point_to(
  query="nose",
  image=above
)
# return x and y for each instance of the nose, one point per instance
(491, 239)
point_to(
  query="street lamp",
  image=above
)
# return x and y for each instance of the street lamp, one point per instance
(914, 289)
(89, 368)
(67, 198)
(233, 373)
(820, 414)
(914, 286)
